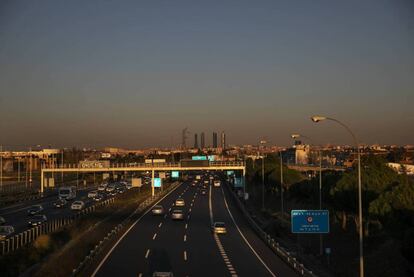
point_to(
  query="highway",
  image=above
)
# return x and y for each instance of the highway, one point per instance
(189, 247)
(16, 215)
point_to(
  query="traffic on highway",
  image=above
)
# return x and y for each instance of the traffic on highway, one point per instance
(65, 202)
(195, 230)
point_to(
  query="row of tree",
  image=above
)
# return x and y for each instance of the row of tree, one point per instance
(388, 197)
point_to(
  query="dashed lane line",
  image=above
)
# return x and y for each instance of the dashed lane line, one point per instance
(244, 238)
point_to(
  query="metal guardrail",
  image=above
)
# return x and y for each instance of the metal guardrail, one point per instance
(118, 228)
(291, 260)
(26, 237)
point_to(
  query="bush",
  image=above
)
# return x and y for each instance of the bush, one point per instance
(408, 245)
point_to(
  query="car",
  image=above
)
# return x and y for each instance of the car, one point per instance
(120, 189)
(60, 203)
(110, 188)
(203, 191)
(37, 219)
(179, 202)
(219, 228)
(193, 184)
(128, 185)
(206, 182)
(5, 231)
(77, 205)
(99, 197)
(162, 274)
(92, 194)
(177, 214)
(35, 209)
(2, 220)
(217, 183)
(102, 187)
(158, 210)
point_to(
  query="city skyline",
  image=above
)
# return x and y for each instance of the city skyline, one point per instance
(132, 75)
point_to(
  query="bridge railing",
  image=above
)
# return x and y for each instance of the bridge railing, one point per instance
(138, 165)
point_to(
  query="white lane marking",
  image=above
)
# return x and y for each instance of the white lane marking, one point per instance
(189, 210)
(147, 254)
(159, 225)
(140, 275)
(186, 225)
(185, 237)
(217, 239)
(169, 209)
(244, 238)
(127, 231)
(185, 255)
(154, 236)
(165, 216)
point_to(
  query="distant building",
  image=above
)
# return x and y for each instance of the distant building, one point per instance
(196, 141)
(202, 141)
(298, 154)
(223, 140)
(215, 144)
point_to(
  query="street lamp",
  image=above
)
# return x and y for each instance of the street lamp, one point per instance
(295, 136)
(263, 142)
(361, 238)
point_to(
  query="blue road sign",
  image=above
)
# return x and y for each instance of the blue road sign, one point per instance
(238, 182)
(157, 182)
(175, 174)
(199, 158)
(310, 221)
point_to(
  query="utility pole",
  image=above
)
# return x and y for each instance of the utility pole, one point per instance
(62, 164)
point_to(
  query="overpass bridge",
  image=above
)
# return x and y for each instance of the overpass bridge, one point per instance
(153, 167)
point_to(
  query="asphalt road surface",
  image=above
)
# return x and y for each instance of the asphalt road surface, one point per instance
(16, 215)
(189, 247)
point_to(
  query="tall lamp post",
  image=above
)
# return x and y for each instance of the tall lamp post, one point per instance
(361, 238)
(294, 136)
(263, 142)
(281, 183)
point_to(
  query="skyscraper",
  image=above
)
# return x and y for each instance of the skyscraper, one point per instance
(195, 140)
(214, 140)
(202, 141)
(223, 140)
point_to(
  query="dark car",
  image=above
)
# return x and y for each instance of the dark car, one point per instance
(60, 203)
(99, 197)
(35, 209)
(37, 220)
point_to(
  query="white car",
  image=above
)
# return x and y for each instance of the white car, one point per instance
(219, 228)
(102, 187)
(177, 214)
(217, 183)
(77, 205)
(158, 210)
(92, 194)
(179, 202)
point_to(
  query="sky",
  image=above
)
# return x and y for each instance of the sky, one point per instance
(133, 74)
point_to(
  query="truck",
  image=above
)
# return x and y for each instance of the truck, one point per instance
(67, 193)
